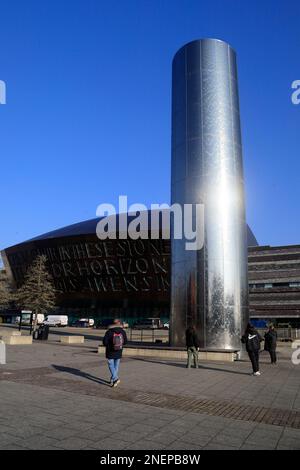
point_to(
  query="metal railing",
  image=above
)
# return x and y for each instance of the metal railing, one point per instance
(147, 335)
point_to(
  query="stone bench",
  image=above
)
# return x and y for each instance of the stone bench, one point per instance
(72, 339)
(174, 353)
(16, 339)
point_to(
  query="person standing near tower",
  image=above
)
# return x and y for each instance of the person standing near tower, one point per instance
(252, 340)
(192, 345)
(271, 343)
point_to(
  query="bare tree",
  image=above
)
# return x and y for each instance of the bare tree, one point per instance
(5, 296)
(37, 292)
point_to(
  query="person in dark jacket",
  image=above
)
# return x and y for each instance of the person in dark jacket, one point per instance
(252, 340)
(192, 345)
(114, 340)
(271, 343)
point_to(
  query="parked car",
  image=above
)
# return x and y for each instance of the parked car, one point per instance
(104, 323)
(148, 323)
(107, 322)
(83, 323)
(56, 320)
(80, 324)
(89, 321)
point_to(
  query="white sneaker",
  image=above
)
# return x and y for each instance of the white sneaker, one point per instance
(256, 373)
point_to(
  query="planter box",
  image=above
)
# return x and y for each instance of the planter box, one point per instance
(174, 353)
(72, 339)
(13, 339)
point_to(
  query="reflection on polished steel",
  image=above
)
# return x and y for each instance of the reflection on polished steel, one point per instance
(209, 287)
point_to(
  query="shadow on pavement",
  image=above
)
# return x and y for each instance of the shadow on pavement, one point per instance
(183, 366)
(79, 373)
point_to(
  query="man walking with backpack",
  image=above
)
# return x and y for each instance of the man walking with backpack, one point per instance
(114, 340)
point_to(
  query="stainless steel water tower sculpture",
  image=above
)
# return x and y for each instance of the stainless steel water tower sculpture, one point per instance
(209, 287)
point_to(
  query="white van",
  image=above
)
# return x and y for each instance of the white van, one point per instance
(40, 318)
(26, 318)
(56, 320)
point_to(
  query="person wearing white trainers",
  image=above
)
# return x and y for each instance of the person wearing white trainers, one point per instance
(252, 340)
(114, 340)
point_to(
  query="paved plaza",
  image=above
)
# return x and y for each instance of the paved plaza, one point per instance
(56, 396)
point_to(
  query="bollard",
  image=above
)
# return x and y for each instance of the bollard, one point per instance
(2, 352)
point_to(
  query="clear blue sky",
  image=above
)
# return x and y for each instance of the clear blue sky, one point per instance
(89, 97)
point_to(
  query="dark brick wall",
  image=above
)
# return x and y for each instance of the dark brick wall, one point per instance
(278, 266)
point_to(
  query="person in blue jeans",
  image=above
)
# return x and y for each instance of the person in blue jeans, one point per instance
(114, 340)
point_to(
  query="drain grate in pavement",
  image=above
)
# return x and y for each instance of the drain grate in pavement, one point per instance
(226, 409)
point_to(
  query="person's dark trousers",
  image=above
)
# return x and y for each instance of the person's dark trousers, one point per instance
(254, 358)
(273, 356)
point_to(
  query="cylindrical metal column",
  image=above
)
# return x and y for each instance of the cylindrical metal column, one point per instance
(209, 287)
